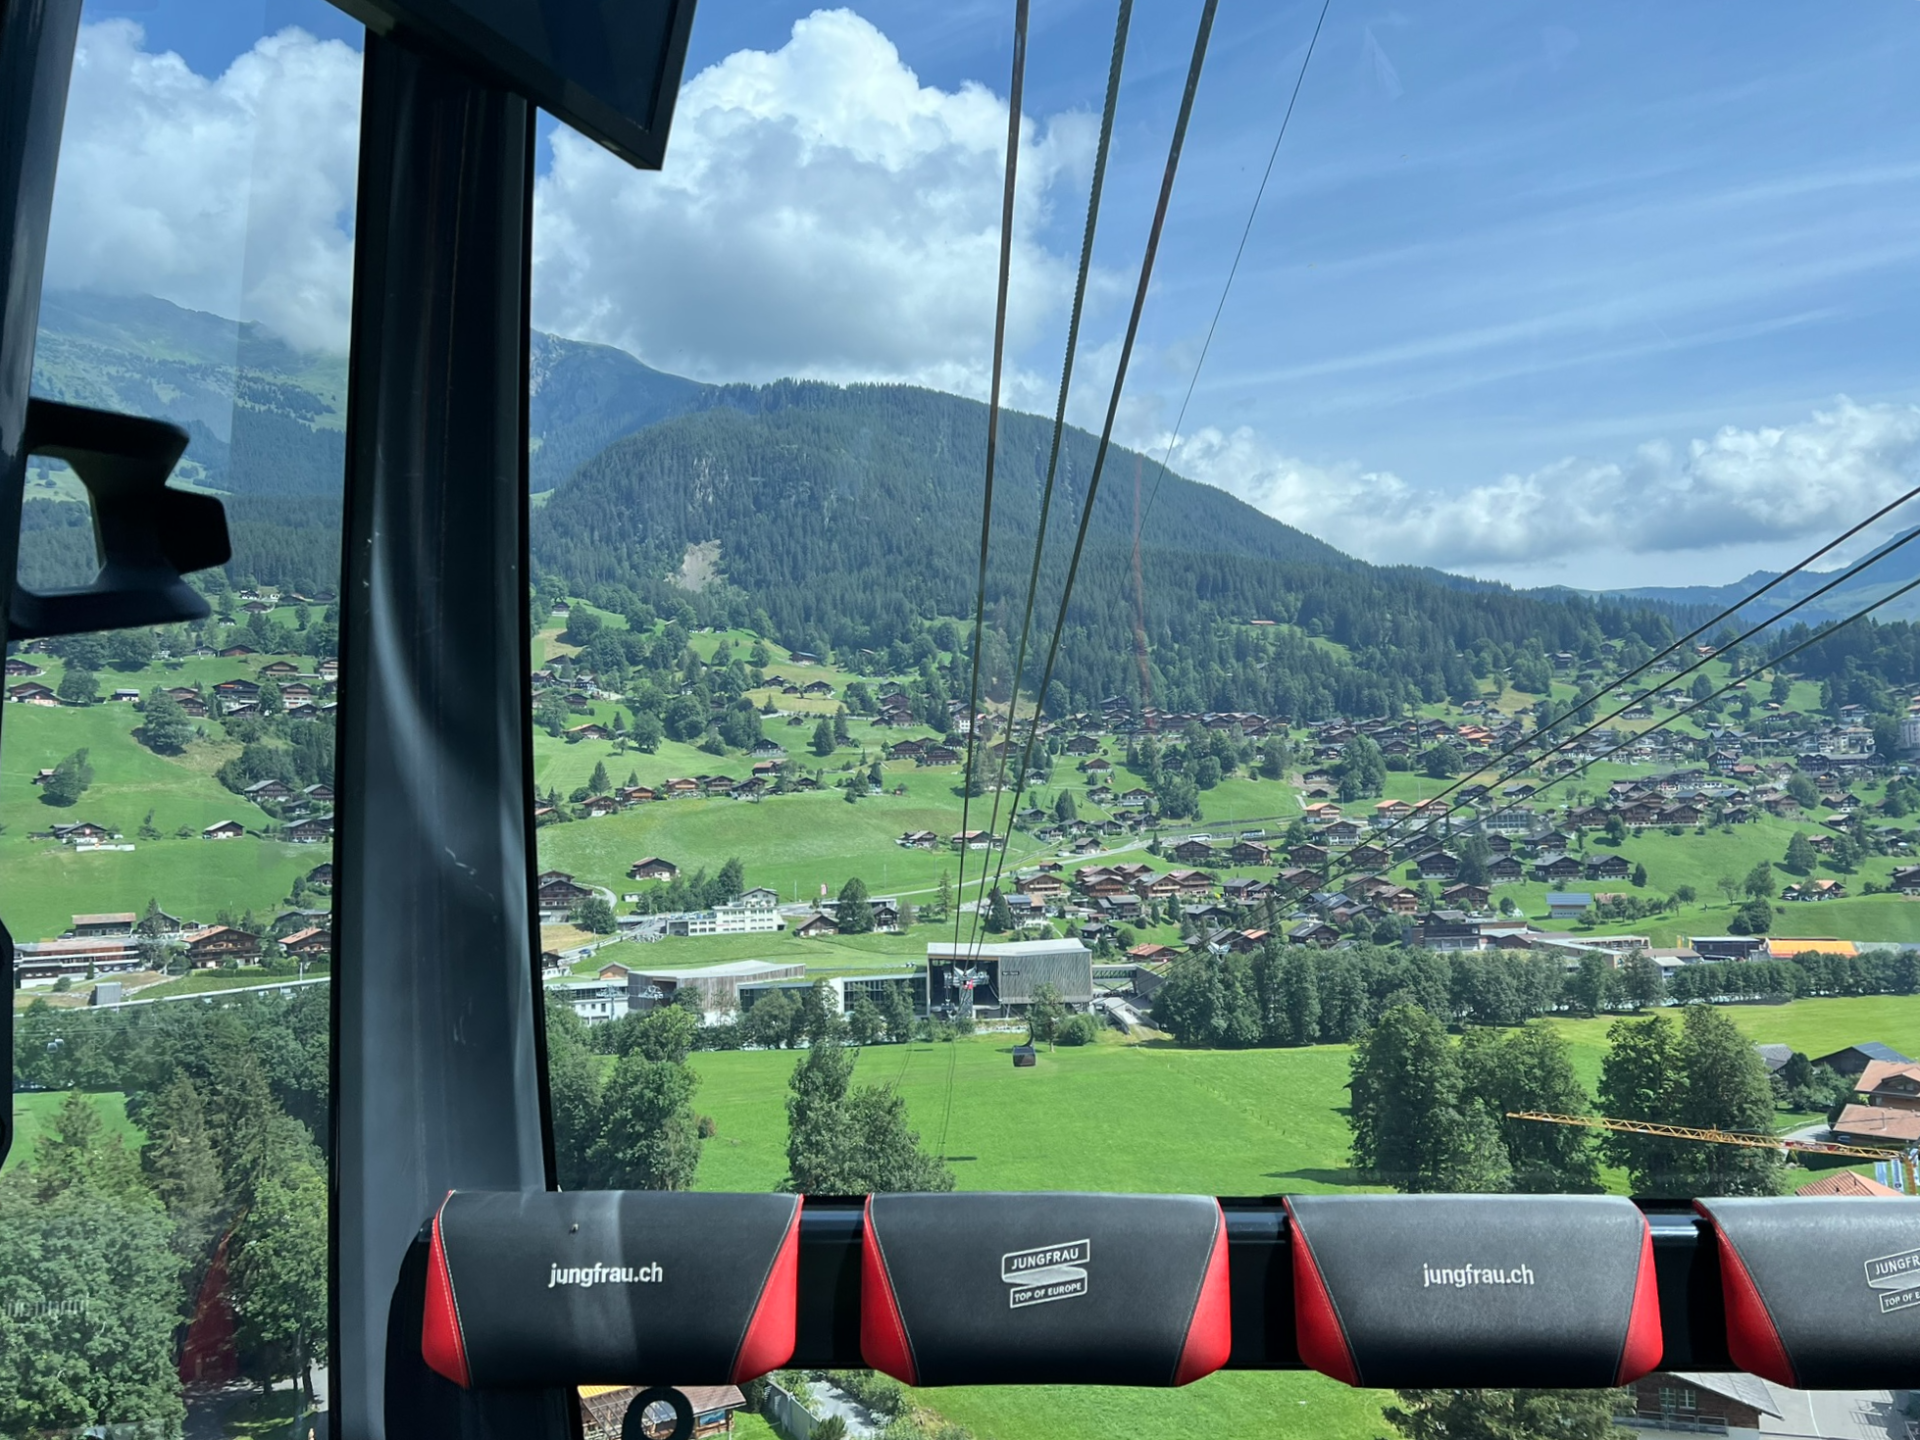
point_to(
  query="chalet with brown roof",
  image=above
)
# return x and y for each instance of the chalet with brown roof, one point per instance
(32, 692)
(816, 925)
(1877, 1125)
(1850, 1183)
(120, 922)
(219, 944)
(313, 943)
(652, 868)
(558, 895)
(1341, 832)
(224, 830)
(1153, 954)
(1603, 867)
(315, 831)
(1890, 1083)
(1400, 901)
(1556, 867)
(1192, 882)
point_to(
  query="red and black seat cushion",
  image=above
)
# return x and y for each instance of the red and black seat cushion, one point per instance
(1044, 1289)
(542, 1289)
(1821, 1293)
(1474, 1290)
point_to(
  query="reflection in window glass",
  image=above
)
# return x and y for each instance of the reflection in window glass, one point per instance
(166, 793)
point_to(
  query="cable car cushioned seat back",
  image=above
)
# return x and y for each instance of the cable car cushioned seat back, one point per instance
(610, 1288)
(1044, 1289)
(1821, 1294)
(1474, 1290)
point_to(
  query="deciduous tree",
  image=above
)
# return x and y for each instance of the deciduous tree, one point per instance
(1412, 1124)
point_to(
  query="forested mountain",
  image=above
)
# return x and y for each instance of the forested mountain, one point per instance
(267, 423)
(581, 398)
(846, 519)
(846, 516)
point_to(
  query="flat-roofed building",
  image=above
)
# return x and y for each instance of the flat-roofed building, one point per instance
(719, 986)
(42, 962)
(118, 923)
(756, 912)
(1012, 970)
(594, 1001)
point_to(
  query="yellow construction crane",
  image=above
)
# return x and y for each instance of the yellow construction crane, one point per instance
(1909, 1161)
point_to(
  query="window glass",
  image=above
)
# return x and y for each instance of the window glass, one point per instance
(166, 792)
(1409, 807)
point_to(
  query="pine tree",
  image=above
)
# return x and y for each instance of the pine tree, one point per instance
(1801, 856)
(999, 913)
(165, 726)
(1300, 995)
(943, 898)
(1044, 1015)
(69, 780)
(896, 1003)
(842, 1142)
(600, 783)
(823, 742)
(279, 1276)
(181, 1163)
(853, 911)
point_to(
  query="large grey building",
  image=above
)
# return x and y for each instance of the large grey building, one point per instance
(1011, 970)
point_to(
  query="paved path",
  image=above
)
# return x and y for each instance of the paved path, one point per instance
(830, 1400)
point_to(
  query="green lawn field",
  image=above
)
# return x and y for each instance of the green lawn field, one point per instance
(1146, 1117)
(1101, 1117)
(31, 1113)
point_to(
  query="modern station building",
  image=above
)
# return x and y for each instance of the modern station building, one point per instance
(1010, 972)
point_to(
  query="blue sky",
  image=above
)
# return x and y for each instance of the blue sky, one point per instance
(1609, 293)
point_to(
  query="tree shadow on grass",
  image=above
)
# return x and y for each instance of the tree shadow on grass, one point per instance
(1342, 1176)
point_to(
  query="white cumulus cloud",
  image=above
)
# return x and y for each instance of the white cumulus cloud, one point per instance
(1734, 489)
(232, 194)
(822, 213)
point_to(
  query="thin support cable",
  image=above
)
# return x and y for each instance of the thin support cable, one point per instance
(1194, 69)
(1121, 24)
(1014, 89)
(1240, 250)
(1772, 662)
(1490, 767)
